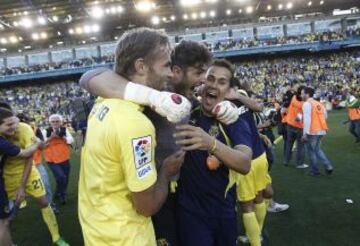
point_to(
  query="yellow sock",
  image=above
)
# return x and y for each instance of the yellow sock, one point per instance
(260, 211)
(252, 228)
(50, 220)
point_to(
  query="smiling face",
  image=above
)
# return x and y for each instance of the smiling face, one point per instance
(9, 126)
(217, 86)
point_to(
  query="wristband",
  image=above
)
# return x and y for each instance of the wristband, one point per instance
(140, 94)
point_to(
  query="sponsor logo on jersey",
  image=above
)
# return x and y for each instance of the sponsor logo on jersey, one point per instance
(142, 151)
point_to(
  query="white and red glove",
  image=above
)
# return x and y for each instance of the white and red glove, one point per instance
(170, 105)
(226, 112)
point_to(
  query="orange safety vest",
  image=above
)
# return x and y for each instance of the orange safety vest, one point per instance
(354, 113)
(318, 121)
(294, 109)
(37, 156)
(57, 151)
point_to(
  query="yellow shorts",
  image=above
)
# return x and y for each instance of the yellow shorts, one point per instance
(34, 186)
(256, 180)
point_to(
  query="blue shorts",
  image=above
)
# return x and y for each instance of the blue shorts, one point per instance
(4, 203)
(194, 230)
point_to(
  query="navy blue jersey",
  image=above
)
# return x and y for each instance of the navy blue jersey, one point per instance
(200, 190)
(7, 148)
(247, 115)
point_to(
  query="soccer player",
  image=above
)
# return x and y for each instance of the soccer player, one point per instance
(189, 62)
(21, 177)
(119, 186)
(206, 193)
(57, 154)
(315, 128)
(7, 121)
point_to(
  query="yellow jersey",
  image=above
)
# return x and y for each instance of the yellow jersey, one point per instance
(24, 137)
(117, 159)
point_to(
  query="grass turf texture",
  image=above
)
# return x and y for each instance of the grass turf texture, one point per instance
(318, 214)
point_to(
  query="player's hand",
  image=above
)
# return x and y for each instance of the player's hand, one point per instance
(226, 112)
(172, 164)
(172, 106)
(266, 141)
(304, 138)
(20, 196)
(193, 138)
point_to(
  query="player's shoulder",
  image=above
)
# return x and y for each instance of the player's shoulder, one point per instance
(24, 128)
(128, 115)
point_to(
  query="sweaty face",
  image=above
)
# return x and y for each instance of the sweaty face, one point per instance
(217, 86)
(55, 123)
(9, 125)
(192, 77)
(160, 69)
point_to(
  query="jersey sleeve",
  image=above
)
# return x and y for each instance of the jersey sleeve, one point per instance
(138, 155)
(7, 148)
(239, 133)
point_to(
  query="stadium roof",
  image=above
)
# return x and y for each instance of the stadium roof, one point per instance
(29, 24)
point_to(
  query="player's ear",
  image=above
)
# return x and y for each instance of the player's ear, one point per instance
(177, 71)
(140, 67)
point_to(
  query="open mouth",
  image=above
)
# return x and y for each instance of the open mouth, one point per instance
(211, 94)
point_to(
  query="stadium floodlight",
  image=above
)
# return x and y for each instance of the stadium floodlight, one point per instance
(20, 39)
(113, 10)
(19, 50)
(203, 14)
(240, 11)
(15, 24)
(35, 36)
(269, 7)
(249, 9)
(164, 19)
(280, 6)
(87, 29)
(27, 47)
(97, 12)
(322, 2)
(120, 9)
(228, 11)
(289, 5)
(41, 20)
(3, 50)
(211, 1)
(60, 43)
(71, 31)
(26, 22)
(309, 3)
(187, 3)
(173, 17)
(107, 11)
(212, 13)
(185, 16)
(194, 16)
(43, 35)
(26, 13)
(95, 28)
(3, 41)
(55, 18)
(145, 6)
(155, 20)
(79, 30)
(13, 40)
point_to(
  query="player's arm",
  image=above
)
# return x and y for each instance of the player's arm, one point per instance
(28, 152)
(20, 193)
(250, 103)
(195, 138)
(150, 201)
(11, 149)
(108, 84)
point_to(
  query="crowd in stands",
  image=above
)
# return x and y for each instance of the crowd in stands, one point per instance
(39, 101)
(233, 44)
(230, 44)
(332, 74)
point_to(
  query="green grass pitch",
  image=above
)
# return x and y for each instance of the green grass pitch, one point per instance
(318, 214)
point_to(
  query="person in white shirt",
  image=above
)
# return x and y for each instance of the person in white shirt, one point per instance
(315, 128)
